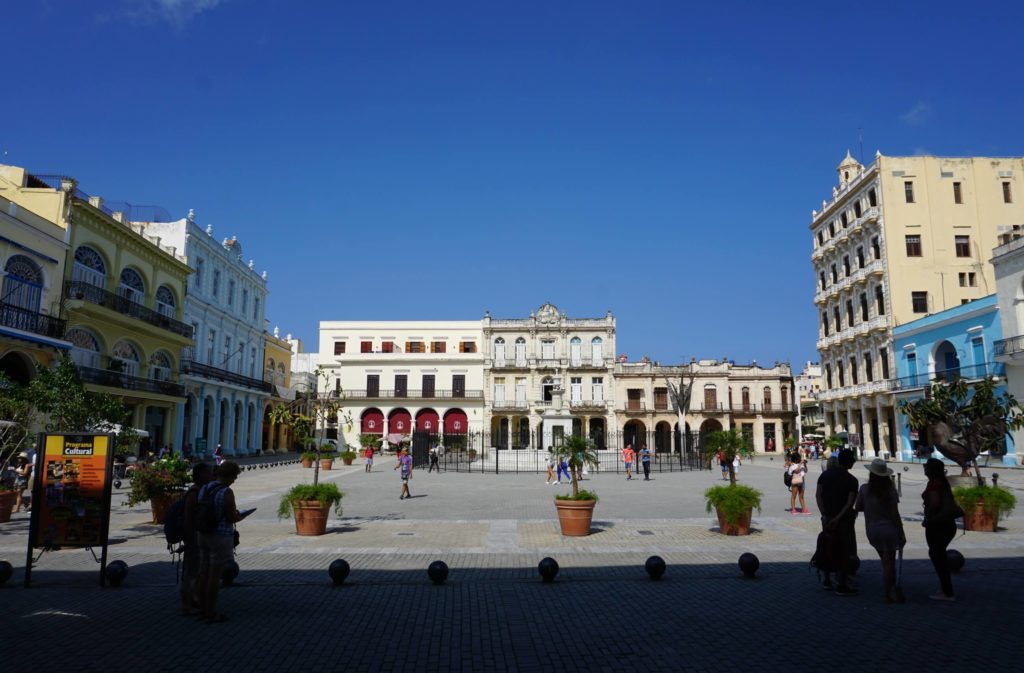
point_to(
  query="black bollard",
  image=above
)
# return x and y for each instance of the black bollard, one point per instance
(6, 570)
(338, 570)
(437, 572)
(655, 567)
(548, 569)
(749, 564)
(116, 572)
(955, 559)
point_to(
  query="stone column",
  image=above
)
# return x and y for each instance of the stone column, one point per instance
(866, 441)
(179, 426)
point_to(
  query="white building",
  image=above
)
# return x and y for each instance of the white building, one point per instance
(223, 374)
(1008, 260)
(808, 385)
(400, 377)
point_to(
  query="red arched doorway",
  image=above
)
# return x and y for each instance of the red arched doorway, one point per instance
(456, 422)
(372, 422)
(427, 420)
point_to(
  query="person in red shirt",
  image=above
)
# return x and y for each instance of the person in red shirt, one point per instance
(627, 458)
(369, 459)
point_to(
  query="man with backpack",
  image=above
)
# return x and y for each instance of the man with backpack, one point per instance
(215, 518)
(180, 524)
(836, 495)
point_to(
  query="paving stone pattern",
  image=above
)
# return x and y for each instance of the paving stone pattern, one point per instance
(494, 613)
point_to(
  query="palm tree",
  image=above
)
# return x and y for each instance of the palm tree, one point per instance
(577, 451)
(279, 415)
(731, 443)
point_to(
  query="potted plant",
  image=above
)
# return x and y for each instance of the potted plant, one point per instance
(984, 505)
(348, 456)
(326, 456)
(307, 458)
(734, 504)
(161, 483)
(576, 511)
(310, 505)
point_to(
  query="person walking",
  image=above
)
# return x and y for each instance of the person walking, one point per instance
(836, 494)
(798, 474)
(22, 473)
(551, 469)
(736, 462)
(405, 465)
(724, 464)
(563, 467)
(190, 598)
(434, 454)
(218, 456)
(940, 515)
(216, 548)
(645, 462)
(627, 458)
(884, 527)
(369, 459)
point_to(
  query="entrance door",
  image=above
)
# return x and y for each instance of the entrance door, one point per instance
(428, 385)
(458, 385)
(372, 385)
(401, 385)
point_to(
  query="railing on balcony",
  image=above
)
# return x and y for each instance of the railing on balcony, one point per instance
(510, 364)
(588, 363)
(217, 374)
(415, 394)
(741, 408)
(586, 404)
(30, 321)
(969, 372)
(509, 404)
(707, 408)
(778, 408)
(97, 295)
(116, 379)
(635, 405)
(1010, 346)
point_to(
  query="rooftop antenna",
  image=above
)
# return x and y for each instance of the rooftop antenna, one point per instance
(860, 135)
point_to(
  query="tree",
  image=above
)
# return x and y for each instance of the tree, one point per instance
(279, 415)
(577, 452)
(17, 418)
(730, 443)
(315, 410)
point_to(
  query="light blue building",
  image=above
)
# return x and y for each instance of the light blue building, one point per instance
(955, 343)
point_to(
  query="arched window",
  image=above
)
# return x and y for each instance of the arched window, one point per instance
(85, 351)
(128, 357)
(597, 351)
(132, 288)
(160, 366)
(520, 352)
(499, 352)
(745, 397)
(89, 267)
(23, 284)
(165, 301)
(575, 350)
(767, 397)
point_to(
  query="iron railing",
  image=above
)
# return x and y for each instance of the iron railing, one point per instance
(74, 289)
(414, 394)
(217, 374)
(116, 379)
(1010, 346)
(30, 321)
(970, 373)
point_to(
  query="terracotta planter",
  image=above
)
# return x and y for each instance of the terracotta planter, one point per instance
(347, 461)
(981, 519)
(326, 463)
(307, 462)
(162, 502)
(7, 500)
(741, 527)
(310, 517)
(574, 516)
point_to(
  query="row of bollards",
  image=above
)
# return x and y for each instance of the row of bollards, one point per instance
(267, 466)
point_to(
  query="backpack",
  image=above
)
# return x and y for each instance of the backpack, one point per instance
(824, 553)
(787, 478)
(174, 522)
(206, 511)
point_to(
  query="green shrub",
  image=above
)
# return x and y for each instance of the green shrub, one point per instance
(733, 501)
(307, 455)
(326, 494)
(167, 475)
(348, 455)
(583, 494)
(998, 500)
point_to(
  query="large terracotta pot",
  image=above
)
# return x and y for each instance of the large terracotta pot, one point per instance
(981, 519)
(741, 527)
(347, 461)
(574, 516)
(326, 463)
(310, 517)
(162, 502)
(7, 500)
(307, 462)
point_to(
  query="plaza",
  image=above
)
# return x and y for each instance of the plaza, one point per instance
(494, 613)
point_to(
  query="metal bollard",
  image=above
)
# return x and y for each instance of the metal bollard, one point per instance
(995, 479)
(899, 484)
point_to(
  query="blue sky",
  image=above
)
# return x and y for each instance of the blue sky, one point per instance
(433, 160)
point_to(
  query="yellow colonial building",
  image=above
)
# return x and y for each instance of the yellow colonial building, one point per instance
(123, 298)
(277, 371)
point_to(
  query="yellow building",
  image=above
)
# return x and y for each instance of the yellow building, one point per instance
(277, 370)
(900, 239)
(123, 301)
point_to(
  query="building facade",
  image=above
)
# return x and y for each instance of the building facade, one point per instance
(277, 371)
(1008, 264)
(400, 377)
(223, 371)
(900, 239)
(958, 343)
(808, 387)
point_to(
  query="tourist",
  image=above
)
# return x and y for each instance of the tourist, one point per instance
(880, 503)
(645, 462)
(563, 467)
(736, 462)
(369, 459)
(218, 455)
(216, 549)
(551, 468)
(798, 475)
(940, 514)
(201, 473)
(22, 474)
(724, 465)
(836, 495)
(434, 458)
(627, 458)
(405, 464)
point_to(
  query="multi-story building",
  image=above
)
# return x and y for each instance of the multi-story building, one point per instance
(1008, 263)
(957, 343)
(123, 300)
(277, 371)
(900, 239)
(400, 377)
(525, 359)
(32, 254)
(758, 400)
(223, 371)
(808, 386)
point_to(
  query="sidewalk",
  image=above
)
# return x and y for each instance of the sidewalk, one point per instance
(494, 613)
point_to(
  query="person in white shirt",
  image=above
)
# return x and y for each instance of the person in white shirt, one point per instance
(798, 474)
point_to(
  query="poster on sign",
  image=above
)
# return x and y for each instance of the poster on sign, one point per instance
(71, 497)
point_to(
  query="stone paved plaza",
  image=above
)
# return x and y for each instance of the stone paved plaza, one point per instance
(602, 614)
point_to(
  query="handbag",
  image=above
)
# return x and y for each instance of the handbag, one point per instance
(948, 510)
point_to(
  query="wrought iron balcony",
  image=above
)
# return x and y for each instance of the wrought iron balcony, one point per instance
(779, 408)
(74, 289)
(217, 374)
(635, 405)
(1011, 346)
(744, 408)
(30, 321)
(581, 405)
(414, 394)
(708, 408)
(509, 404)
(970, 373)
(116, 379)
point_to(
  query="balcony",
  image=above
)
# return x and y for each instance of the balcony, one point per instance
(510, 364)
(114, 379)
(707, 409)
(499, 405)
(217, 374)
(97, 295)
(741, 409)
(879, 322)
(969, 373)
(588, 363)
(587, 405)
(635, 406)
(414, 394)
(779, 408)
(1008, 348)
(30, 321)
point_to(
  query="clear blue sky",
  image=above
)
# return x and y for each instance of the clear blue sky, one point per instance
(432, 160)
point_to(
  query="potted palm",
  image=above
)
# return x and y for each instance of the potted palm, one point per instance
(984, 505)
(576, 511)
(734, 504)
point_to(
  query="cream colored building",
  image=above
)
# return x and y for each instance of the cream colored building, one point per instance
(808, 387)
(397, 377)
(277, 371)
(899, 239)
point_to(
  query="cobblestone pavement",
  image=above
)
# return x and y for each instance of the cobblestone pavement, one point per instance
(602, 613)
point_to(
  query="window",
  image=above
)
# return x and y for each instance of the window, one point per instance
(828, 375)
(836, 319)
(963, 246)
(824, 322)
(832, 229)
(908, 191)
(835, 275)
(216, 282)
(231, 293)
(401, 385)
(913, 245)
(458, 385)
(428, 385)
(919, 301)
(767, 397)
(339, 347)
(846, 265)
(856, 209)
(868, 374)
(842, 375)
(876, 248)
(821, 280)
(241, 356)
(860, 257)
(467, 346)
(958, 196)
(373, 385)
(547, 350)
(849, 313)
(597, 388)
(843, 219)
(879, 300)
(710, 396)
(661, 399)
(968, 279)
(256, 308)
(499, 388)
(227, 353)
(211, 340)
(821, 237)
(576, 389)
(883, 358)
(165, 304)
(387, 346)
(872, 198)
(415, 347)
(438, 347)
(197, 279)
(634, 399)
(245, 301)
(365, 346)
(863, 307)
(1007, 195)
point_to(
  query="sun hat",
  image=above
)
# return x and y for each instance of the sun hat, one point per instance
(878, 466)
(23, 454)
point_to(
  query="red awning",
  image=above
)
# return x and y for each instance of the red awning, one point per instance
(399, 422)
(372, 422)
(427, 420)
(455, 422)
